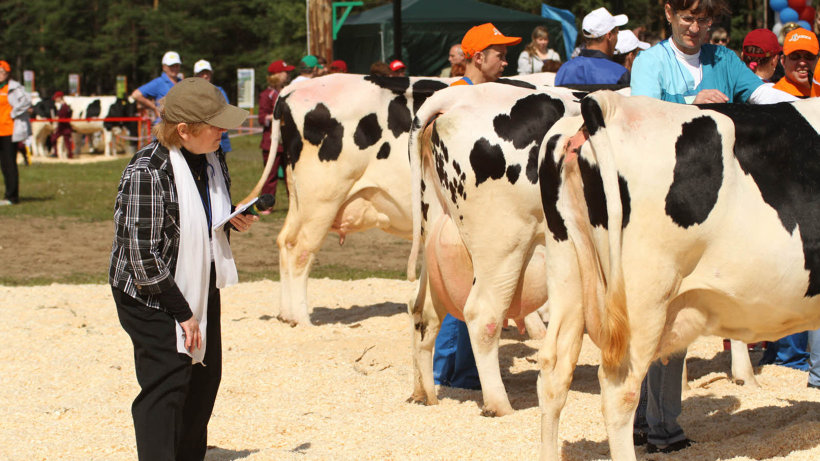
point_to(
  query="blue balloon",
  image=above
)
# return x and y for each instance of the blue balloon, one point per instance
(804, 24)
(788, 15)
(778, 5)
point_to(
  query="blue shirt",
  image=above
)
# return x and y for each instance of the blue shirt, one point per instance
(157, 88)
(225, 143)
(591, 67)
(658, 73)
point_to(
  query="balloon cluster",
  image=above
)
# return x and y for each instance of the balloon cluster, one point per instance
(799, 11)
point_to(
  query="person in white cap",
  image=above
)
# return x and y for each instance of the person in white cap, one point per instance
(627, 48)
(594, 65)
(203, 69)
(149, 94)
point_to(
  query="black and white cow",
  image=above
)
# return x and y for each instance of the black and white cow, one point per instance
(345, 139)
(671, 222)
(477, 214)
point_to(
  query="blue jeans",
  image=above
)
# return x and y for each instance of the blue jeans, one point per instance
(453, 360)
(789, 351)
(814, 357)
(660, 402)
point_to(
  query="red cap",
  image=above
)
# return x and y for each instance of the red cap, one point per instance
(764, 39)
(4, 65)
(57, 94)
(279, 66)
(339, 65)
(396, 65)
(480, 37)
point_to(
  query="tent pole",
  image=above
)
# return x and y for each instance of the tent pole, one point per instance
(397, 29)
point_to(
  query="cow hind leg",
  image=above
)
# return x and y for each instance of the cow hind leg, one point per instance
(426, 325)
(620, 393)
(742, 371)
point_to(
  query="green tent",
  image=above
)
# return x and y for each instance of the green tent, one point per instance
(429, 28)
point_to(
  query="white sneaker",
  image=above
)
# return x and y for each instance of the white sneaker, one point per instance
(5, 202)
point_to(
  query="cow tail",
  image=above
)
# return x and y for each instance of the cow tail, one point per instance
(275, 135)
(615, 324)
(415, 148)
(414, 152)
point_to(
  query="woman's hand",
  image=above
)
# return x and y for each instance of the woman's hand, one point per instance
(710, 97)
(242, 222)
(193, 337)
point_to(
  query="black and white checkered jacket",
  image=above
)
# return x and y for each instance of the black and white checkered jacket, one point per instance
(146, 225)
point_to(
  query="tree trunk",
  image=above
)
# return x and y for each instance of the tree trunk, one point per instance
(320, 28)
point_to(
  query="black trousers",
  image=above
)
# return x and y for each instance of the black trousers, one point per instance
(8, 165)
(172, 410)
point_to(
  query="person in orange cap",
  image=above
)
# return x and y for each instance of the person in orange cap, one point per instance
(14, 127)
(485, 51)
(800, 48)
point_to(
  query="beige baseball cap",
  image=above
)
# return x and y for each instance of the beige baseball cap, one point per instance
(195, 100)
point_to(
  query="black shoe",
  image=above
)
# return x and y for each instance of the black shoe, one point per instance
(813, 386)
(639, 438)
(671, 448)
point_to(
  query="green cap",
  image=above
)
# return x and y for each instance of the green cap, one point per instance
(195, 100)
(310, 61)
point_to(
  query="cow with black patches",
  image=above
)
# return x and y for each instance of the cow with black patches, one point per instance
(478, 222)
(671, 222)
(345, 142)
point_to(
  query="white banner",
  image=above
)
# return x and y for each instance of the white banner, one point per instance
(245, 87)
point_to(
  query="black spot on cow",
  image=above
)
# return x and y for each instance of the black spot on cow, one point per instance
(399, 117)
(513, 172)
(94, 109)
(291, 138)
(532, 164)
(549, 176)
(45, 108)
(579, 95)
(518, 83)
(119, 109)
(596, 198)
(423, 186)
(424, 207)
(368, 131)
(325, 131)
(397, 85)
(698, 173)
(529, 120)
(384, 151)
(779, 148)
(487, 161)
(473, 281)
(423, 89)
(457, 168)
(454, 185)
(593, 116)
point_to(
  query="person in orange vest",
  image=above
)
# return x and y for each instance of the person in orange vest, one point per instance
(14, 127)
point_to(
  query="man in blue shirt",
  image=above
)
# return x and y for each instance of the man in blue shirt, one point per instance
(149, 94)
(594, 66)
(203, 69)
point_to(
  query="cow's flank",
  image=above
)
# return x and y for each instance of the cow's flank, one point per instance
(780, 153)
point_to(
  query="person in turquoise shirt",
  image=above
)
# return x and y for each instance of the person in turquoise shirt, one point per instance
(686, 69)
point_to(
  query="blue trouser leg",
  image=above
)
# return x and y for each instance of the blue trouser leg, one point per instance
(791, 351)
(453, 360)
(663, 403)
(814, 357)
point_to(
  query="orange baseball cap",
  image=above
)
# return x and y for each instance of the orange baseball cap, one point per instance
(5, 66)
(800, 39)
(480, 37)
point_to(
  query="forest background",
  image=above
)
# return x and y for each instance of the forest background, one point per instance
(100, 39)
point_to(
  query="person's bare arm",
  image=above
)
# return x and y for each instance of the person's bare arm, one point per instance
(140, 98)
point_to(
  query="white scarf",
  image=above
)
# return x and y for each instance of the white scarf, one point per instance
(193, 270)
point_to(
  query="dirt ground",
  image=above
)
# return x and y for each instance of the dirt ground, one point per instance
(64, 247)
